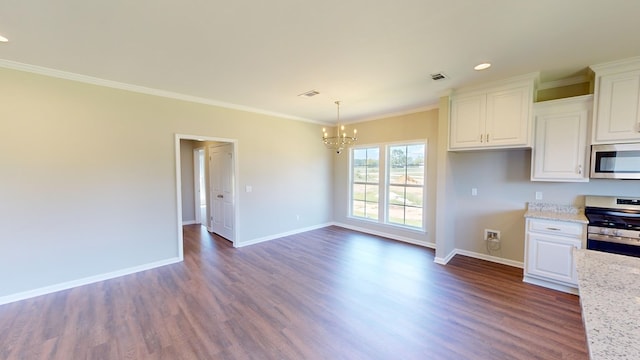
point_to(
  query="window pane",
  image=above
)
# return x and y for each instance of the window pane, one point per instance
(359, 173)
(372, 193)
(413, 216)
(373, 174)
(371, 210)
(396, 195)
(358, 192)
(357, 208)
(359, 157)
(397, 175)
(396, 214)
(398, 156)
(414, 196)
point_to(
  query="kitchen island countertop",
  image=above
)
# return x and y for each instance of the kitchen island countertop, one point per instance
(609, 286)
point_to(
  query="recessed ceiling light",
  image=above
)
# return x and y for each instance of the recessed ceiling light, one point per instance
(3, 39)
(482, 66)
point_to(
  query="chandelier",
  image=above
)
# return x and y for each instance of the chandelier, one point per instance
(340, 140)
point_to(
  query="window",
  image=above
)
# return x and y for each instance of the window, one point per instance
(405, 188)
(397, 197)
(365, 189)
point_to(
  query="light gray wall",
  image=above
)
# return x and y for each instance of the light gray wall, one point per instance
(89, 178)
(504, 188)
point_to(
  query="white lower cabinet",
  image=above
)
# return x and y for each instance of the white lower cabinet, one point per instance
(549, 258)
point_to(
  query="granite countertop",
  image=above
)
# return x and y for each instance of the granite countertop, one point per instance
(548, 211)
(609, 286)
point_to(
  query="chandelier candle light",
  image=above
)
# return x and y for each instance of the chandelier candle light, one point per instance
(338, 142)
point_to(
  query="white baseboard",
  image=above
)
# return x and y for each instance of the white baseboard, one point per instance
(551, 285)
(280, 235)
(84, 281)
(495, 259)
(387, 235)
(437, 260)
(189, 222)
(446, 259)
(486, 257)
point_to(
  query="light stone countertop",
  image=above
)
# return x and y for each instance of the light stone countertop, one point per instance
(549, 211)
(609, 286)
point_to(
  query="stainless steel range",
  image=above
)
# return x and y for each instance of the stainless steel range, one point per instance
(614, 224)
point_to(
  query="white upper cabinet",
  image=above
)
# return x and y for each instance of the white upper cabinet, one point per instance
(560, 151)
(617, 102)
(496, 116)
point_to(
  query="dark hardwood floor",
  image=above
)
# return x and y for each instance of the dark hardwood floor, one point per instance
(326, 294)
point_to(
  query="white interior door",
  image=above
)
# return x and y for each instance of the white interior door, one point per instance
(222, 191)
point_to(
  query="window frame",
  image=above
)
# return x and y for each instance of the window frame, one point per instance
(352, 182)
(388, 184)
(383, 184)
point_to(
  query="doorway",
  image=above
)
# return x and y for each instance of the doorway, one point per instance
(199, 185)
(230, 207)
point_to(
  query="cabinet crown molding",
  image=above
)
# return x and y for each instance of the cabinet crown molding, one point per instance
(617, 65)
(526, 78)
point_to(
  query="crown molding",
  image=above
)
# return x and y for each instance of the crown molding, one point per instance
(13, 65)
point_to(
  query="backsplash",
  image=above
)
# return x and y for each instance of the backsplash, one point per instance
(551, 207)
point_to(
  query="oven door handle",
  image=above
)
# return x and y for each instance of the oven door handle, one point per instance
(615, 239)
(618, 213)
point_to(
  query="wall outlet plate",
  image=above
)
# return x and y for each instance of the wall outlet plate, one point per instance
(491, 235)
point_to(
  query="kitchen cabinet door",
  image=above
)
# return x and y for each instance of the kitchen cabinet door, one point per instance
(508, 113)
(467, 124)
(560, 151)
(617, 102)
(551, 257)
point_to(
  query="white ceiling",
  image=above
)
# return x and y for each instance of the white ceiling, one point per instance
(374, 56)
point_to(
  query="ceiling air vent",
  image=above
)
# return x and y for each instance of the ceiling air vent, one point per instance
(309, 93)
(438, 76)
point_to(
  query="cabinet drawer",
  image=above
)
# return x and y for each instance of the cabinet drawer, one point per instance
(561, 228)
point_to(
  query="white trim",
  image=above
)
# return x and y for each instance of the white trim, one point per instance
(551, 285)
(395, 114)
(490, 258)
(438, 260)
(280, 235)
(444, 260)
(616, 65)
(189, 222)
(84, 281)
(388, 235)
(197, 206)
(384, 183)
(236, 195)
(140, 89)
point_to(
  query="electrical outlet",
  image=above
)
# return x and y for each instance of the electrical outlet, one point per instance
(538, 195)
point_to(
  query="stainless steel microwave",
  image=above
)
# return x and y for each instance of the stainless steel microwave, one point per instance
(615, 161)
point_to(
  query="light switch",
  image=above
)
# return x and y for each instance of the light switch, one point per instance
(474, 191)
(538, 195)
(248, 188)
